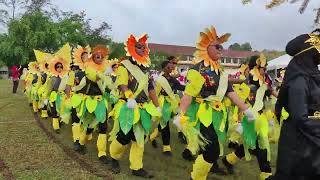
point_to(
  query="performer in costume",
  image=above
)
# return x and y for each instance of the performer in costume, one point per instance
(255, 92)
(299, 144)
(89, 100)
(201, 106)
(133, 112)
(59, 67)
(43, 59)
(166, 87)
(32, 84)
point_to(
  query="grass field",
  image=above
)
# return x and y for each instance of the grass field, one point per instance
(28, 151)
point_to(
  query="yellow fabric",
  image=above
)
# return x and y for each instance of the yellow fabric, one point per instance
(55, 123)
(200, 169)
(205, 114)
(76, 131)
(71, 78)
(264, 175)
(84, 138)
(91, 104)
(166, 148)
(91, 74)
(35, 106)
(116, 150)
(232, 158)
(53, 96)
(151, 109)
(258, 104)
(63, 84)
(163, 82)
(128, 94)
(102, 145)
(154, 134)
(122, 76)
(136, 117)
(44, 113)
(196, 81)
(136, 156)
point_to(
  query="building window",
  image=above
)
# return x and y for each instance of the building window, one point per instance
(228, 60)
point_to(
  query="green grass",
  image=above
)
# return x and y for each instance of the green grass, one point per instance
(29, 154)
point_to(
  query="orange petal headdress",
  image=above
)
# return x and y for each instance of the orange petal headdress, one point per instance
(63, 56)
(105, 54)
(33, 67)
(131, 50)
(43, 60)
(77, 53)
(205, 39)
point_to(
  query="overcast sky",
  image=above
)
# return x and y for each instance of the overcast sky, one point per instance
(180, 21)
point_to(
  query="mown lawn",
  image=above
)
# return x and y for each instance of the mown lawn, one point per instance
(30, 154)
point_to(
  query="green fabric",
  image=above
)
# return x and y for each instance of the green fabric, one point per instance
(88, 121)
(101, 111)
(145, 120)
(249, 133)
(126, 119)
(166, 111)
(139, 134)
(217, 118)
(58, 102)
(192, 111)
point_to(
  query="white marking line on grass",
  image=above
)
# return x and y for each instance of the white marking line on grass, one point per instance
(10, 122)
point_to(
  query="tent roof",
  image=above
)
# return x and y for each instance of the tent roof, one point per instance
(280, 62)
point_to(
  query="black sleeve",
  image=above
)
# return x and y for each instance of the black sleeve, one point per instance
(150, 84)
(230, 88)
(176, 85)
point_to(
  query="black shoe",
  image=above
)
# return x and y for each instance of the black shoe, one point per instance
(76, 146)
(82, 149)
(30, 104)
(115, 167)
(182, 138)
(187, 155)
(167, 153)
(104, 159)
(228, 166)
(154, 144)
(142, 173)
(217, 170)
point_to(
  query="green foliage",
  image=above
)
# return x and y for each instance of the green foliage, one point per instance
(241, 47)
(117, 50)
(37, 30)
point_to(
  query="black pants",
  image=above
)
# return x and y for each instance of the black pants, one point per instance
(15, 86)
(125, 139)
(165, 134)
(54, 113)
(211, 151)
(102, 127)
(261, 154)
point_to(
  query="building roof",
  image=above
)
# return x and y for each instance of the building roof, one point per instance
(189, 50)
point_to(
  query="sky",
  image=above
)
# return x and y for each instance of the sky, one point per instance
(179, 22)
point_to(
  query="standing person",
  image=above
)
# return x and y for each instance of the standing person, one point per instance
(202, 103)
(299, 144)
(133, 112)
(15, 78)
(168, 87)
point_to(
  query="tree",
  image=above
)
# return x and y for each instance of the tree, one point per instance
(243, 47)
(304, 5)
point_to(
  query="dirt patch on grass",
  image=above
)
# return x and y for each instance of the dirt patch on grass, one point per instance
(5, 171)
(71, 153)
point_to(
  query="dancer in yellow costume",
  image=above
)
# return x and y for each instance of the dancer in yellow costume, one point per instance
(33, 82)
(201, 106)
(89, 100)
(133, 113)
(248, 137)
(59, 68)
(166, 87)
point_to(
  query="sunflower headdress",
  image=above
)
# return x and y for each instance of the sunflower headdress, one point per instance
(207, 38)
(100, 51)
(261, 62)
(43, 60)
(33, 67)
(130, 47)
(78, 53)
(61, 58)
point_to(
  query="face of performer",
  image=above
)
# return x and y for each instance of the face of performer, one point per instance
(59, 67)
(262, 70)
(84, 56)
(139, 47)
(172, 65)
(98, 58)
(246, 72)
(214, 51)
(168, 69)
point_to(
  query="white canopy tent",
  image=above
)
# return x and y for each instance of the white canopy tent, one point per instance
(280, 62)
